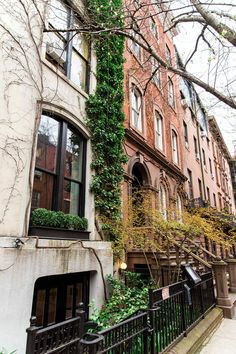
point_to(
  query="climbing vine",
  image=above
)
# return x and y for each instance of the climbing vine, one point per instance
(105, 111)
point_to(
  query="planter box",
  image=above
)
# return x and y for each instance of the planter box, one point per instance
(58, 234)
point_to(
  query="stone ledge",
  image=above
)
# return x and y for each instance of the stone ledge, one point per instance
(195, 338)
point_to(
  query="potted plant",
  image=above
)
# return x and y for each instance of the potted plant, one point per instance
(57, 225)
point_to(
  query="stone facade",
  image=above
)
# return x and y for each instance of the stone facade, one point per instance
(32, 82)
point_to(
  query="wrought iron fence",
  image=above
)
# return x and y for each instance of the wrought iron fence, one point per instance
(128, 337)
(63, 337)
(176, 309)
(173, 310)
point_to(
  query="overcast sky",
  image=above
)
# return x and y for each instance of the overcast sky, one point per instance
(219, 69)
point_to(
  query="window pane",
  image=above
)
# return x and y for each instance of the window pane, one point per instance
(74, 156)
(46, 154)
(71, 197)
(43, 190)
(52, 301)
(40, 306)
(58, 14)
(81, 44)
(69, 301)
(136, 118)
(78, 71)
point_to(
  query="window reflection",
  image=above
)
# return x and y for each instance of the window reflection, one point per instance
(74, 153)
(58, 175)
(46, 154)
(71, 197)
(43, 190)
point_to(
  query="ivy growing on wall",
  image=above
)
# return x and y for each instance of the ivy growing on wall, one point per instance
(105, 110)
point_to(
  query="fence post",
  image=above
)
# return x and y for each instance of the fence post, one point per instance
(145, 335)
(232, 274)
(81, 314)
(222, 298)
(153, 327)
(31, 333)
(183, 311)
(201, 300)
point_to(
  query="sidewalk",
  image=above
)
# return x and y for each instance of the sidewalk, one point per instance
(223, 341)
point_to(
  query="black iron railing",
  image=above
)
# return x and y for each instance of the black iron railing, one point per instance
(63, 337)
(130, 336)
(173, 311)
(176, 309)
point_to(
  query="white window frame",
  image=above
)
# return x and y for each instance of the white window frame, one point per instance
(153, 28)
(135, 47)
(171, 97)
(179, 207)
(168, 55)
(157, 76)
(136, 109)
(159, 143)
(174, 141)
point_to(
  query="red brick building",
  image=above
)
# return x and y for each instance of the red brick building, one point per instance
(169, 140)
(153, 141)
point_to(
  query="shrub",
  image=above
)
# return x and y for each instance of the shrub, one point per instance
(49, 218)
(126, 298)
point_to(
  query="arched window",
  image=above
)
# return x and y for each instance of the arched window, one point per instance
(158, 131)
(178, 207)
(174, 147)
(163, 201)
(136, 106)
(156, 72)
(171, 98)
(60, 167)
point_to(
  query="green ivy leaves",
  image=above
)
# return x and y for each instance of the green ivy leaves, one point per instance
(105, 111)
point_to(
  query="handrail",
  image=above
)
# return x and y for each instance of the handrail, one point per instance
(199, 259)
(203, 249)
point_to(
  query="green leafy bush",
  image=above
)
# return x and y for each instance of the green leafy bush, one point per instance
(58, 219)
(126, 298)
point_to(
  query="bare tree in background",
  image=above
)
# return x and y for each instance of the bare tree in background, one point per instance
(214, 29)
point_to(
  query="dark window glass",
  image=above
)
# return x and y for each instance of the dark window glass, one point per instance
(57, 297)
(190, 184)
(185, 132)
(69, 301)
(52, 301)
(46, 154)
(40, 306)
(59, 170)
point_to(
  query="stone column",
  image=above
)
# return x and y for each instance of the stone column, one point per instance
(232, 274)
(222, 293)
